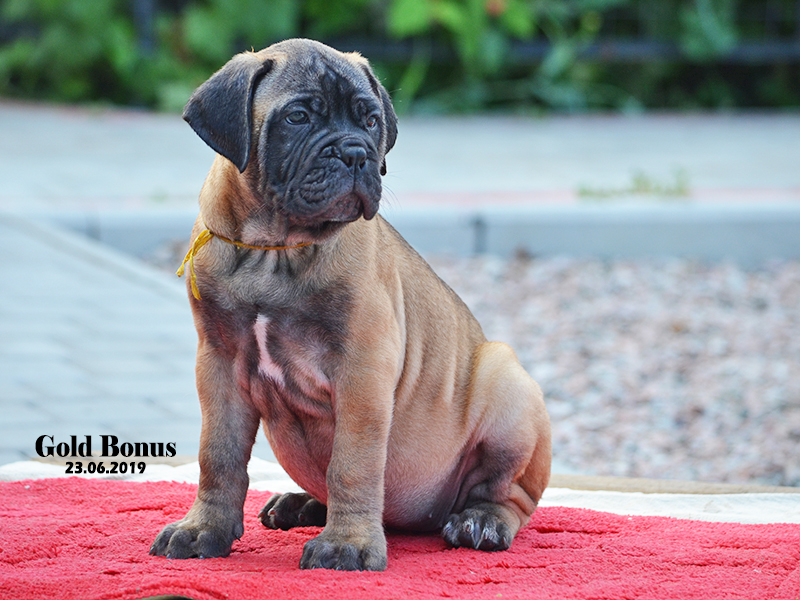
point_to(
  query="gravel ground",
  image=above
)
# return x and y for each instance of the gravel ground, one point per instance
(661, 368)
(653, 368)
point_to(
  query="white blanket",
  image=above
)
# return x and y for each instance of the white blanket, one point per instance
(265, 475)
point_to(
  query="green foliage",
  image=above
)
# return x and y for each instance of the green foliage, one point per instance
(85, 47)
(327, 18)
(464, 55)
(212, 29)
(642, 186)
(709, 28)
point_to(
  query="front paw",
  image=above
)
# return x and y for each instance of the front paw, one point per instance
(345, 553)
(188, 538)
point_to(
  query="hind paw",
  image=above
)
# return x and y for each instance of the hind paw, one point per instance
(284, 511)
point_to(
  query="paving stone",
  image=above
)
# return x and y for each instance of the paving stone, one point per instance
(97, 357)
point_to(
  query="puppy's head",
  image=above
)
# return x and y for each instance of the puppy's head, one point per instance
(307, 126)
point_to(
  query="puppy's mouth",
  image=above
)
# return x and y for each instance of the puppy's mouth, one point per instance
(352, 207)
(338, 214)
(334, 216)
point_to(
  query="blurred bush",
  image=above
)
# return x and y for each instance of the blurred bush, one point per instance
(434, 55)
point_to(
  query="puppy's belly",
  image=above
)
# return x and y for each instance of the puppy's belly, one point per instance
(419, 505)
(421, 499)
(300, 433)
(415, 498)
(419, 494)
(304, 458)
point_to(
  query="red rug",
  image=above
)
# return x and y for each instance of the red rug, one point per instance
(88, 539)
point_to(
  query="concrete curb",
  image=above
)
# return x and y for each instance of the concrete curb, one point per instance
(135, 232)
(108, 255)
(744, 233)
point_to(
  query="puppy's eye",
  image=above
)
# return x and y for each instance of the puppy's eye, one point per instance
(372, 121)
(297, 117)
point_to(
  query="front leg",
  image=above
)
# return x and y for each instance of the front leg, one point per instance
(353, 538)
(229, 429)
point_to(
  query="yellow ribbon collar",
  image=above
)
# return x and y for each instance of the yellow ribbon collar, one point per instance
(204, 237)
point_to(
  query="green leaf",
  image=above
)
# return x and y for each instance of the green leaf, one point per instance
(709, 29)
(583, 6)
(409, 17)
(590, 24)
(494, 47)
(559, 59)
(122, 47)
(452, 16)
(411, 82)
(325, 18)
(518, 19)
(207, 35)
(16, 10)
(273, 20)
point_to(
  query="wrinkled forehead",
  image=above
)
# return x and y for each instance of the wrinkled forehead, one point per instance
(328, 77)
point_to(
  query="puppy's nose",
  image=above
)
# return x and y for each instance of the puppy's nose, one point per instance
(353, 155)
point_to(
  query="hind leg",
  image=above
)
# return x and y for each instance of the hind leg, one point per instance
(284, 511)
(512, 453)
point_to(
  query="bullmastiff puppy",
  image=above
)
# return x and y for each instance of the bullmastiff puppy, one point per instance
(376, 387)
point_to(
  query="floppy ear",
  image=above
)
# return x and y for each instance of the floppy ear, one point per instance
(391, 124)
(388, 111)
(220, 110)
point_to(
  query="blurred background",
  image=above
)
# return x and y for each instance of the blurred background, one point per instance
(613, 186)
(434, 55)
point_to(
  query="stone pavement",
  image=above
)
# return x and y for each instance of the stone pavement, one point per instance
(65, 159)
(94, 342)
(90, 343)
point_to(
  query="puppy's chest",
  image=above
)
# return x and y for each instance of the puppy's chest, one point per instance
(296, 359)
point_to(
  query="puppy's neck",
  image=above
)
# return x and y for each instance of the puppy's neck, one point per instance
(231, 208)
